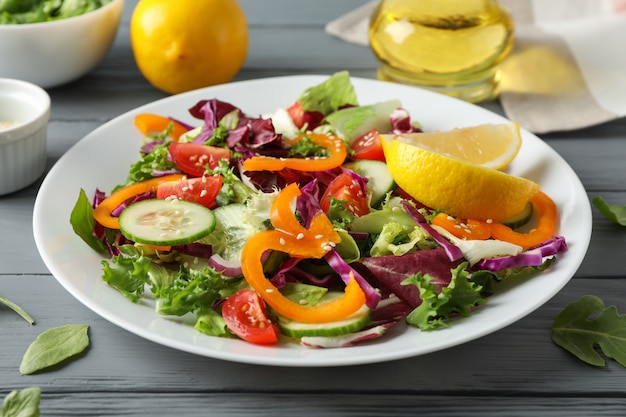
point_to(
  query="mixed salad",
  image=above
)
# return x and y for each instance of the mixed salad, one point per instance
(289, 227)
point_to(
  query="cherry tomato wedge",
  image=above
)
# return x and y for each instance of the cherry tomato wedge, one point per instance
(202, 190)
(192, 158)
(343, 187)
(245, 315)
(300, 117)
(368, 146)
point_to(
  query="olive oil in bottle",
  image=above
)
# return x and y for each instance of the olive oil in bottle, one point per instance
(450, 46)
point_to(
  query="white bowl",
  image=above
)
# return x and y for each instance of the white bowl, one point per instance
(22, 145)
(53, 53)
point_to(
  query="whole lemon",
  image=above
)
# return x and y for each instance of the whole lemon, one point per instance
(182, 45)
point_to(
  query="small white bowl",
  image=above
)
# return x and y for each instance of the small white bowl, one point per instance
(26, 107)
(54, 53)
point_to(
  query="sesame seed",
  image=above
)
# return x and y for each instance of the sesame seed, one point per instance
(319, 236)
(300, 236)
(203, 193)
(489, 221)
(269, 290)
(282, 241)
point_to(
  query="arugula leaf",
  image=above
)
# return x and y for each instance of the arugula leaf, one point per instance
(614, 213)
(586, 324)
(457, 298)
(82, 221)
(54, 346)
(19, 310)
(24, 403)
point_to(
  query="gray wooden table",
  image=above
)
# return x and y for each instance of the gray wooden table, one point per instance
(517, 371)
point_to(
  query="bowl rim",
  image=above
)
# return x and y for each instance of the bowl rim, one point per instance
(36, 120)
(25, 26)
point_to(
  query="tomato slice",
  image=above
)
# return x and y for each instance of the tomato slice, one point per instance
(297, 114)
(345, 188)
(192, 158)
(368, 146)
(245, 315)
(300, 117)
(202, 190)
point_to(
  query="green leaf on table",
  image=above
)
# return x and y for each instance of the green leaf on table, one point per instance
(587, 324)
(24, 403)
(19, 310)
(614, 213)
(54, 346)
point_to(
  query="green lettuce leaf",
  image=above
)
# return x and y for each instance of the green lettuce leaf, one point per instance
(335, 92)
(458, 298)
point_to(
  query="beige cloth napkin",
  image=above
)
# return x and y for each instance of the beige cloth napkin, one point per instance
(568, 67)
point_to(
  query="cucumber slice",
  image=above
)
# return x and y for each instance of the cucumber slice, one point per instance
(355, 322)
(380, 180)
(521, 219)
(166, 222)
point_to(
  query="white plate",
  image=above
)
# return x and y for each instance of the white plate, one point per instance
(103, 157)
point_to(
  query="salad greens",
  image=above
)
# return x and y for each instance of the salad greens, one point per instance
(406, 269)
(36, 11)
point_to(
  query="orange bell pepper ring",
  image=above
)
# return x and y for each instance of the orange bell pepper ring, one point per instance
(102, 213)
(291, 237)
(149, 123)
(335, 146)
(463, 229)
(546, 225)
